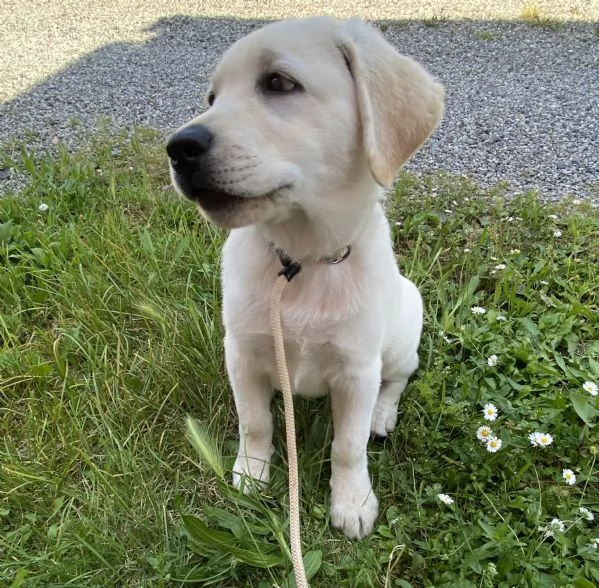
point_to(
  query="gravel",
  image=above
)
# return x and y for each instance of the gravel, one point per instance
(522, 97)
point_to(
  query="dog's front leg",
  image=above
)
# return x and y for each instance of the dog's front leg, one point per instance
(354, 506)
(253, 395)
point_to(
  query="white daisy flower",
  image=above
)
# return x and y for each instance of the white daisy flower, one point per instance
(494, 445)
(540, 439)
(553, 216)
(509, 219)
(500, 317)
(591, 388)
(515, 251)
(43, 207)
(557, 233)
(547, 532)
(557, 525)
(445, 498)
(466, 250)
(586, 513)
(569, 477)
(489, 412)
(492, 360)
(594, 544)
(478, 310)
(500, 266)
(484, 433)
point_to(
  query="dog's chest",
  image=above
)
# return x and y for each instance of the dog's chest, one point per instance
(308, 365)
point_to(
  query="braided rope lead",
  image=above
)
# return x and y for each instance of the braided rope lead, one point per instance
(294, 516)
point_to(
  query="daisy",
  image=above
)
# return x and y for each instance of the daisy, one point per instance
(500, 317)
(490, 412)
(594, 544)
(591, 388)
(478, 310)
(500, 266)
(541, 439)
(494, 445)
(557, 525)
(515, 251)
(445, 498)
(557, 233)
(43, 207)
(547, 532)
(466, 250)
(492, 361)
(586, 513)
(553, 216)
(484, 433)
(569, 476)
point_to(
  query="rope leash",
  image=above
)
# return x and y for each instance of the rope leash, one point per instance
(290, 269)
(294, 516)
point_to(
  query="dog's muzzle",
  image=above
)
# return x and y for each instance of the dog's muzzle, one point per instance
(186, 149)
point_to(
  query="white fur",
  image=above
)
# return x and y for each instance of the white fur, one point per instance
(352, 329)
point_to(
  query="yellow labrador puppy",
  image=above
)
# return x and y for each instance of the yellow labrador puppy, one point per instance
(307, 121)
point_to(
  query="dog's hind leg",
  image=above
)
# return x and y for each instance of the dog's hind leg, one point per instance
(400, 356)
(384, 417)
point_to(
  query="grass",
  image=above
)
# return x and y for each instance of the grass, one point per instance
(110, 335)
(486, 35)
(533, 16)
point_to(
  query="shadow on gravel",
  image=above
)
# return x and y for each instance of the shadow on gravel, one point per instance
(522, 100)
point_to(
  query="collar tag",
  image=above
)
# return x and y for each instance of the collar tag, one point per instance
(340, 255)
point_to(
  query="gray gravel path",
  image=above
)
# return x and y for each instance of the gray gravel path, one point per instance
(522, 100)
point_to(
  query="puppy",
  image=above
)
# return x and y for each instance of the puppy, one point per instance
(308, 120)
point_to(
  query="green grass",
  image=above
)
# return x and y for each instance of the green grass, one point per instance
(486, 35)
(110, 335)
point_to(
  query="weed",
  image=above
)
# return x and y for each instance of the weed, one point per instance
(486, 35)
(532, 15)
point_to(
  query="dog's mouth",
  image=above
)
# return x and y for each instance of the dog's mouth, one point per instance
(213, 200)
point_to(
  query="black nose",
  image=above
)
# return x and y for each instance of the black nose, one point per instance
(186, 146)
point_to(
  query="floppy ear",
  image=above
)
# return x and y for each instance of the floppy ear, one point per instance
(400, 103)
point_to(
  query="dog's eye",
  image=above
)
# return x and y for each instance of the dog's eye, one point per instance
(210, 98)
(278, 83)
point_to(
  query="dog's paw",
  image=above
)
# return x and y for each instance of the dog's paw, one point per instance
(384, 419)
(250, 473)
(354, 513)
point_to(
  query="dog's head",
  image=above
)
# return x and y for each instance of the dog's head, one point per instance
(300, 111)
